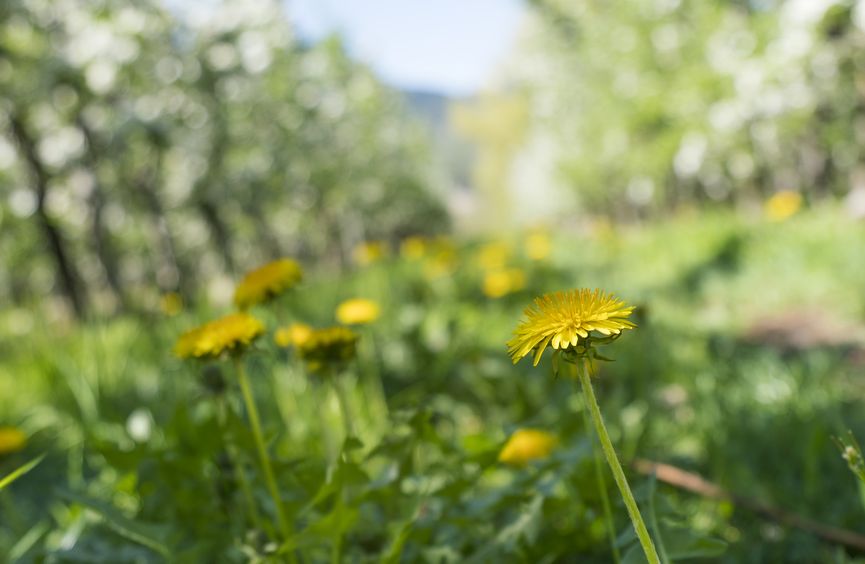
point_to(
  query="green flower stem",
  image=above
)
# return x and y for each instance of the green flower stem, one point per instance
(343, 404)
(616, 467)
(653, 519)
(372, 356)
(238, 468)
(602, 488)
(255, 424)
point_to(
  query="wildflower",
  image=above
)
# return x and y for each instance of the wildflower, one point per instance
(564, 319)
(231, 333)
(328, 347)
(493, 255)
(292, 335)
(413, 248)
(369, 252)
(538, 246)
(12, 439)
(357, 311)
(783, 204)
(171, 304)
(498, 283)
(526, 445)
(267, 282)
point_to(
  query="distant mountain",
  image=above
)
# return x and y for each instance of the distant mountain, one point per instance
(431, 106)
(432, 110)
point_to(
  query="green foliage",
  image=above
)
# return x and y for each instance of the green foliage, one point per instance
(144, 152)
(655, 106)
(146, 456)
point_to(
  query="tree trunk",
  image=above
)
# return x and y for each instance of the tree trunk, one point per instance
(101, 240)
(205, 204)
(67, 273)
(171, 276)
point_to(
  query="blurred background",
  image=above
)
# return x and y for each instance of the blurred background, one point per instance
(154, 147)
(450, 159)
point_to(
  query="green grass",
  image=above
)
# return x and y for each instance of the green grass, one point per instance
(142, 458)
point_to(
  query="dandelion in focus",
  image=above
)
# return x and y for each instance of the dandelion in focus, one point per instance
(568, 321)
(12, 440)
(292, 335)
(369, 252)
(783, 204)
(499, 283)
(232, 333)
(357, 311)
(267, 282)
(171, 304)
(328, 348)
(526, 445)
(565, 320)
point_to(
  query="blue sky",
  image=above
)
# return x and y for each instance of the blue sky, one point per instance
(448, 46)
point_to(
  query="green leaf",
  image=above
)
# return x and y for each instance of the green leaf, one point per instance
(394, 552)
(20, 471)
(26, 541)
(525, 526)
(149, 535)
(681, 544)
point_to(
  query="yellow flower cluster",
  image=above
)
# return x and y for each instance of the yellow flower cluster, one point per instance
(561, 319)
(267, 282)
(357, 311)
(328, 347)
(231, 333)
(526, 445)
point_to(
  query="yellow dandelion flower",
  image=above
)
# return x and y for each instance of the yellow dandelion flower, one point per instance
(526, 445)
(267, 282)
(331, 346)
(413, 248)
(357, 311)
(12, 440)
(232, 333)
(538, 246)
(499, 283)
(494, 255)
(561, 319)
(369, 252)
(292, 335)
(171, 304)
(783, 204)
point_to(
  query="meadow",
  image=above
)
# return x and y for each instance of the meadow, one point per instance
(744, 368)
